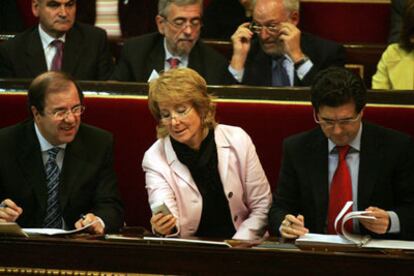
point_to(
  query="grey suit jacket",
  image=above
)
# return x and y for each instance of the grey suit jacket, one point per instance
(386, 177)
(141, 55)
(86, 54)
(88, 181)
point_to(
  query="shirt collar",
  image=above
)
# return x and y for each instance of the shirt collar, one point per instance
(168, 55)
(355, 144)
(47, 39)
(44, 144)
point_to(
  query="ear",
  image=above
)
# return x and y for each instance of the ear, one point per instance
(160, 23)
(35, 7)
(35, 112)
(294, 18)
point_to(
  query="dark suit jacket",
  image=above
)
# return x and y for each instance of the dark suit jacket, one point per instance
(140, 55)
(88, 181)
(386, 177)
(323, 53)
(86, 54)
(136, 17)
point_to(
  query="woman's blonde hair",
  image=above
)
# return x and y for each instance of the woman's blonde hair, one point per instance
(178, 86)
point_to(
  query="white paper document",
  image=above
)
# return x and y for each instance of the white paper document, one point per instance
(347, 238)
(54, 231)
(188, 241)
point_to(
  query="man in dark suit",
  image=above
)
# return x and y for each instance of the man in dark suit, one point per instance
(379, 167)
(176, 45)
(74, 187)
(280, 55)
(84, 51)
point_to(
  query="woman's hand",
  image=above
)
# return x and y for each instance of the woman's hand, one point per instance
(163, 224)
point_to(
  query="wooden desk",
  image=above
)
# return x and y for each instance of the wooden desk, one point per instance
(132, 257)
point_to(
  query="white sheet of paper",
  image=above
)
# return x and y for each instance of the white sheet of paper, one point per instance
(154, 75)
(54, 231)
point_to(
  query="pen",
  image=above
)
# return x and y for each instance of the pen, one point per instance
(82, 216)
(3, 205)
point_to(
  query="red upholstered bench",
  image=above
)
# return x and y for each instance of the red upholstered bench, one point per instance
(128, 118)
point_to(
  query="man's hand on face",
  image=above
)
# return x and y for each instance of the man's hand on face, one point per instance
(241, 40)
(290, 35)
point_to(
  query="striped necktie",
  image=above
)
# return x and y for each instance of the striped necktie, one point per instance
(53, 214)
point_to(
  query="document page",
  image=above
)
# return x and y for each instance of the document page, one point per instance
(54, 231)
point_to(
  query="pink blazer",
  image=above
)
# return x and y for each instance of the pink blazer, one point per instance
(245, 184)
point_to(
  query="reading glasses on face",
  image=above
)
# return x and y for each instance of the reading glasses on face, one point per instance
(327, 123)
(177, 115)
(257, 28)
(63, 114)
(182, 23)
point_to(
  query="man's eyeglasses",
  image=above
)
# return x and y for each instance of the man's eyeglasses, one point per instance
(271, 28)
(327, 123)
(62, 114)
(180, 23)
(179, 114)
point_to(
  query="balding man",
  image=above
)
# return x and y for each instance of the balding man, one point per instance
(280, 55)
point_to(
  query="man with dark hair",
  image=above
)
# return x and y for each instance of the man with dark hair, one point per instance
(175, 45)
(55, 171)
(57, 43)
(344, 159)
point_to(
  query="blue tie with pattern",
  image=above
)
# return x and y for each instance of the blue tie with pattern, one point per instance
(279, 74)
(53, 215)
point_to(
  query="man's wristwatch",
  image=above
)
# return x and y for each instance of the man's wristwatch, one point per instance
(301, 62)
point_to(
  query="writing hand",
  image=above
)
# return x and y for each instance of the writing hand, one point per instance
(9, 211)
(96, 228)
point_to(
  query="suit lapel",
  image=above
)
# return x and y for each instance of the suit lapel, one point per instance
(196, 60)
(223, 153)
(317, 165)
(156, 59)
(370, 161)
(74, 164)
(71, 50)
(35, 56)
(31, 163)
(180, 170)
(261, 67)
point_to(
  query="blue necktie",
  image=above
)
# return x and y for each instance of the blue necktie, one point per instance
(53, 214)
(279, 74)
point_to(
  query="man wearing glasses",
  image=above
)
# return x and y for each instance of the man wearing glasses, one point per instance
(56, 172)
(280, 55)
(344, 159)
(176, 45)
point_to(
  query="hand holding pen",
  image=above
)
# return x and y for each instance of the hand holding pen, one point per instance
(9, 211)
(96, 228)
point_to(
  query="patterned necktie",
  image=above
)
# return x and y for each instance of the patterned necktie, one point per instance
(279, 74)
(53, 215)
(57, 59)
(340, 192)
(173, 62)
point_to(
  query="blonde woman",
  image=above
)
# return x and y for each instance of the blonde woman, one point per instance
(207, 174)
